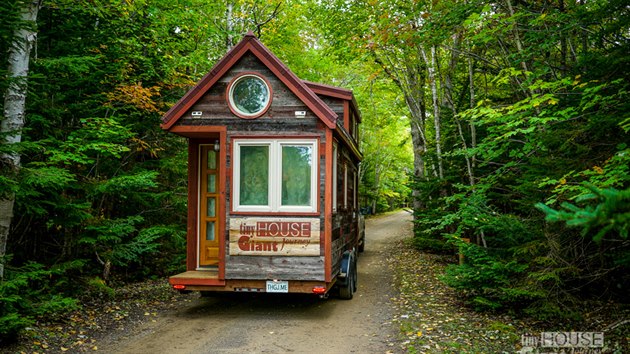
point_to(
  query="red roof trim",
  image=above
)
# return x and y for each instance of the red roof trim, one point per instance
(334, 91)
(328, 90)
(251, 43)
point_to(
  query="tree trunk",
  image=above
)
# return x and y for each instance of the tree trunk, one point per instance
(517, 38)
(471, 124)
(229, 25)
(411, 80)
(14, 105)
(418, 161)
(450, 102)
(413, 92)
(436, 109)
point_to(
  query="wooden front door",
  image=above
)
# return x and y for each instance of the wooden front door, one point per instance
(209, 218)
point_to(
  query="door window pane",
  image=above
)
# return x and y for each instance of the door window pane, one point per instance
(212, 159)
(296, 175)
(211, 212)
(212, 183)
(209, 230)
(254, 178)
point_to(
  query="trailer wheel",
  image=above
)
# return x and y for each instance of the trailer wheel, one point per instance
(346, 291)
(362, 244)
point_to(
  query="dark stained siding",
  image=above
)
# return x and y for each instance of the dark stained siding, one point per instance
(213, 104)
(281, 268)
(336, 104)
(345, 227)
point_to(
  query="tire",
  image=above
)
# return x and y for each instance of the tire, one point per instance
(346, 291)
(362, 244)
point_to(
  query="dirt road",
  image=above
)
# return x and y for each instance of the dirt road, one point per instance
(259, 323)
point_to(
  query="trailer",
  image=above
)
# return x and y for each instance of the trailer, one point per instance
(273, 169)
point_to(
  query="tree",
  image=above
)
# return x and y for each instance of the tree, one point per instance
(510, 104)
(14, 111)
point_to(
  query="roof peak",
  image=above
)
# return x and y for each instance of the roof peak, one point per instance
(251, 44)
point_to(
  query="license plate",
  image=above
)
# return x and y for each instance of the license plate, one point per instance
(277, 286)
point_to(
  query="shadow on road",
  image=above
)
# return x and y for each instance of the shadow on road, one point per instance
(267, 305)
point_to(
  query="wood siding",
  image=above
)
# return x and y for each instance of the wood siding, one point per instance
(213, 104)
(282, 268)
(345, 233)
(278, 122)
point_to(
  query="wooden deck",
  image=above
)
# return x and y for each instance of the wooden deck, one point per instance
(197, 277)
(208, 280)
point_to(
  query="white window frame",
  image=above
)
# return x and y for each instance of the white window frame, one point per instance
(234, 107)
(275, 175)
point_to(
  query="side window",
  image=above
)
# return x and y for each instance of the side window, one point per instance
(340, 182)
(351, 187)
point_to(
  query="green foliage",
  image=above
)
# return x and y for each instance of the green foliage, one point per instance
(432, 244)
(489, 280)
(32, 291)
(530, 110)
(97, 137)
(100, 182)
(121, 186)
(120, 242)
(610, 214)
(99, 288)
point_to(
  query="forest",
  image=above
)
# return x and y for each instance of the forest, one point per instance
(503, 124)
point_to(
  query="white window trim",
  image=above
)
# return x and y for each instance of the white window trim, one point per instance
(275, 175)
(235, 107)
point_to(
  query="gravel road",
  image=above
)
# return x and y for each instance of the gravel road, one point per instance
(261, 323)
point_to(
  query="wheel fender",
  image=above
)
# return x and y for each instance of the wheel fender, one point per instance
(347, 262)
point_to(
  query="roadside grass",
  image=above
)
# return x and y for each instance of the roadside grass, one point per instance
(433, 318)
(101, 314)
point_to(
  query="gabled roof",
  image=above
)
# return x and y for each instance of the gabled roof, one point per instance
(251, 44)
(334, 91)
(328, 90)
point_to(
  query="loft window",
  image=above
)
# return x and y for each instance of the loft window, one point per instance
(249, 96)
(275, 175)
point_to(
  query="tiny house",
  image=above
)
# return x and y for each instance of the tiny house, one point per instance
(273, 168)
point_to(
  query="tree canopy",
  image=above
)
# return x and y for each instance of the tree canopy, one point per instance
(518, 110)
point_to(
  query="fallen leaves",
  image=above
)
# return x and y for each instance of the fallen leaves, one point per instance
(82, 330)
(430, 315)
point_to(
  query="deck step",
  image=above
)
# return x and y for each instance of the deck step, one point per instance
(197, 277)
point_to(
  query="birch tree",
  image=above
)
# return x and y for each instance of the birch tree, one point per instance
(14, 110)
(431, 67)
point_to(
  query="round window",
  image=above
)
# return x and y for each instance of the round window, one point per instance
(249, 96)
